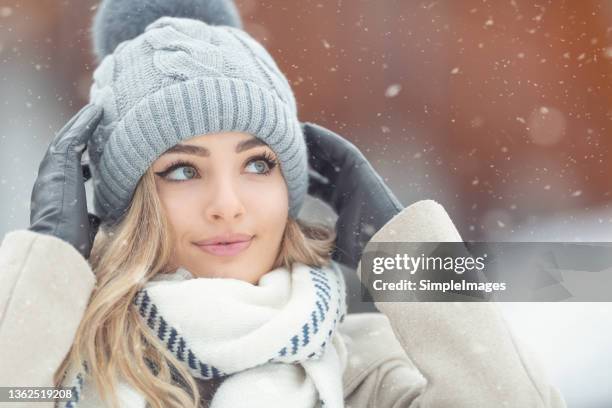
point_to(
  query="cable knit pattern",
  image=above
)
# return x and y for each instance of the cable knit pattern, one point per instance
(183, 78)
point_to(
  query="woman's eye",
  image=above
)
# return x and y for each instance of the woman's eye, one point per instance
(260, 165)
(184, 171)
(179, 171)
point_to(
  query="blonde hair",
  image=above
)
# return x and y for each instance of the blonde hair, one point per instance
(113, 339)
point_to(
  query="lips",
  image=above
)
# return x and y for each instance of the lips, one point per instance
(229, 238)
(230, 249)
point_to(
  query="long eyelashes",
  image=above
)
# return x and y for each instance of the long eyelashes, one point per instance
(266, 156)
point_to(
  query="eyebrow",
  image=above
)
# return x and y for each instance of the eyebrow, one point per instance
(204, 152)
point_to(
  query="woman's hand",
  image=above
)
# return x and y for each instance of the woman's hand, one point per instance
(58, 203)
(342, 177)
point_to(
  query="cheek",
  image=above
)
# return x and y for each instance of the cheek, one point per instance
(269, 204)
(179, 206)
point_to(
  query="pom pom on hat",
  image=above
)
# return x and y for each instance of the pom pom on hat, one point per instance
(120, 20)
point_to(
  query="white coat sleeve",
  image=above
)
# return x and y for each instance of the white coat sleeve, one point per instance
(465, 350)
(45, 285)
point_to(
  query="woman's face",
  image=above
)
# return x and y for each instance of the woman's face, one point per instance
(217, 184)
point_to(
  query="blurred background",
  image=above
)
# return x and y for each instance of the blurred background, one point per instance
(500, 111)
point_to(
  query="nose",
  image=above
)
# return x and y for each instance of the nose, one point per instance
(224, 201)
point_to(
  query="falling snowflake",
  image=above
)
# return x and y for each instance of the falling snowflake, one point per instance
(369, 229)
(393, 90)
(6, 12)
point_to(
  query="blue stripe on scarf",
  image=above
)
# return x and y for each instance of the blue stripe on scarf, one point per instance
(322, 291)
(175, 340)
(305, 330)
(322, 282)
(315, 323)
(324, 300)
(321, 312)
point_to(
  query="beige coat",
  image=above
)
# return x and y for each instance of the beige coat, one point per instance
(410, 355)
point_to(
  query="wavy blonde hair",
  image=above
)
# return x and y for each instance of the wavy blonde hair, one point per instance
(113, 339)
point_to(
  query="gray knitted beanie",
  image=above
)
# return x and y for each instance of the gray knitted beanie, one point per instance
(180, 78)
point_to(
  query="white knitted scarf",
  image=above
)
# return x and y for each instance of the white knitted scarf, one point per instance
(275, 344)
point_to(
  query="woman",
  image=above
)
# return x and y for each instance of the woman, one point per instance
(194, 142)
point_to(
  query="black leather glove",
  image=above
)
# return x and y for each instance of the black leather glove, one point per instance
(341, 176)
(58, 203)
